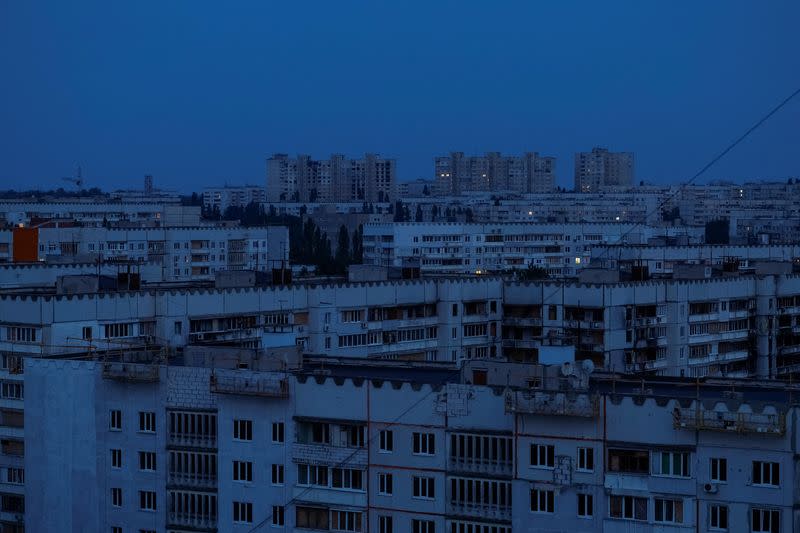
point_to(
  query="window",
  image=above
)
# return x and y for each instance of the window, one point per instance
(766, 474)
(718, 517)
(277, 432)
(423, 487)
(311, 517)
(353, 436)
(277, 474)
(116, 529)
(719, 469)
(147, 461)
(243, 471)
(147, 500)
(147, 421)
(86, 332)
(766, 520)
(20, 334)
(385, 524)
(347, 478)
(346, 521)
(116, 458)
(15, 476)
(543, 455)
(386, 441)
(586, 459)
(312, 475)
(627, 507)
(242, 430)
(178, 327)
(384, 484)
(242, 512)
(542, 501)
(13, 390)
(669, 511)
(115, 420)
(116, 497)
(278, 516)
(673, 464)
(424, 443)
(585, 505)
(423, 526)
(629, 461)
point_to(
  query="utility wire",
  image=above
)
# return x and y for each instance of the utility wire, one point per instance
(699, 173)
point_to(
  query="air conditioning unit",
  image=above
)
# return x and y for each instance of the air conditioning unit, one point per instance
(711, 488)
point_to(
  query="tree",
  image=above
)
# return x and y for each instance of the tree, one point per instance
(468, 217)
(342, 249)
(357, 253)
(426, 191)
(312, 195)
(418, 214)
(533, 272)
(398, 211)
(718, 232)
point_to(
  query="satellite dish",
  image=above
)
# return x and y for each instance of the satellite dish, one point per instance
(566, 369)
(588, 366)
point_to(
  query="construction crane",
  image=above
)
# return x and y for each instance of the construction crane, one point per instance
(77, 178)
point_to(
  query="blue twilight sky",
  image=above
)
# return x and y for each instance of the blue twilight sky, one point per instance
(198, 93)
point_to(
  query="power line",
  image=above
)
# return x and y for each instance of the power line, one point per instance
(699, 173)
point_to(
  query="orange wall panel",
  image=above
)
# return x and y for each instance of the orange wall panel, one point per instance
(26, 244)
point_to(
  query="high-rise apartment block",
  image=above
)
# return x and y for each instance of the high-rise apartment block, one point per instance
(337, 179)
(528, 173)
(364, 447)
(600, 168)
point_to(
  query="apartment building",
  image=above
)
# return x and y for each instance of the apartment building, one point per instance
(94, 213)
(337, 179)
(456, 248)
(184, 253)
(221, 198)
(600, 168)
(395, 447)
(528, 173)
(663, 260)
(735, 325)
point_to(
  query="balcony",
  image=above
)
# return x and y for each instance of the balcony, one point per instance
(552, 403)
(325, 454)
(191, 520)
(191, 481)
(584, 324)
(522, 321)
(698, 419)
(488, 512)
(250, 385)
(131, 372)
(476, 466)
(527, 344)
(191, 440)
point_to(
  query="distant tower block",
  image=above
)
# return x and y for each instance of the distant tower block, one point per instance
(148, 184)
